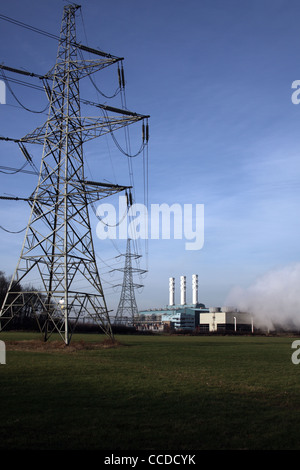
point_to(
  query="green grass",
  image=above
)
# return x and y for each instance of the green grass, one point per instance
(152, 393)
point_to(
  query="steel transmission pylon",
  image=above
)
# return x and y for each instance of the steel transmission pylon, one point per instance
(127, 309)
(58, 246)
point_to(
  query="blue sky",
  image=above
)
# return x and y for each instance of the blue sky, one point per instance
(215, 77)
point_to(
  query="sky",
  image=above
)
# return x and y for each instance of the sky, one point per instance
(215, 77)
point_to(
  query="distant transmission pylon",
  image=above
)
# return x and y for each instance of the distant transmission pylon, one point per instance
(127, 309)
(58, 249)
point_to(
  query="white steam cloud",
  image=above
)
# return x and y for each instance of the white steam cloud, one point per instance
(273, 300)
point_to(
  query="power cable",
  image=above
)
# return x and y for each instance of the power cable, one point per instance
(11, 231)
(31, 28)
(15, 97)
(90, 78)
(14, 171)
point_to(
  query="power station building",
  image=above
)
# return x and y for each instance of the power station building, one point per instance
(193, 316)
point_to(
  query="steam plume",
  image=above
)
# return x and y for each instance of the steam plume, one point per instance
(273, 300)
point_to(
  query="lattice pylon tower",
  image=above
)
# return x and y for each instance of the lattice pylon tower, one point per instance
(58, 247)
(127, 310)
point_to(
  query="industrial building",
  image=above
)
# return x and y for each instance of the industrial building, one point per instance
(192, 316)
(225, 319)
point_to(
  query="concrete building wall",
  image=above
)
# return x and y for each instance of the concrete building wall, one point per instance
(212, 319)
(216, 320)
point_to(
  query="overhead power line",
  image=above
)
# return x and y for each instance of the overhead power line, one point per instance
(57, 38)
(12, 171)
(27, 26)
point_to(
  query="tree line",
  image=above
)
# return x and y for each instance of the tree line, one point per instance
(26, 318)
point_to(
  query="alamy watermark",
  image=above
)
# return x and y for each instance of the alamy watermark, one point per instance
(160, 221)
(2, 353)
(295, 95)
(295, 356)
(2, 92)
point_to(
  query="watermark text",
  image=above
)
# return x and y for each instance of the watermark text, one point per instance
(162, 221)
(2, 92)
(296, 94)
(2, 353)
(296, 354)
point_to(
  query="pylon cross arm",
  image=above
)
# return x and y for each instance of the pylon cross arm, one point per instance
(82, 68)
(90, 127)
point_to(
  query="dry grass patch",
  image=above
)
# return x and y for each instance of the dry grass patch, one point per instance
(59, 345)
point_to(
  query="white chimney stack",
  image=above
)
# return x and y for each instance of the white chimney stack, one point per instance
(183, 290)
(195, 288)
(171, 290)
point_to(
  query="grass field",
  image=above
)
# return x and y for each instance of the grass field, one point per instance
(151, 393)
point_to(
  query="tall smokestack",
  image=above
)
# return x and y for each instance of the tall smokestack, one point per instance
(195, 288)
(182, 290)
(171, 290)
